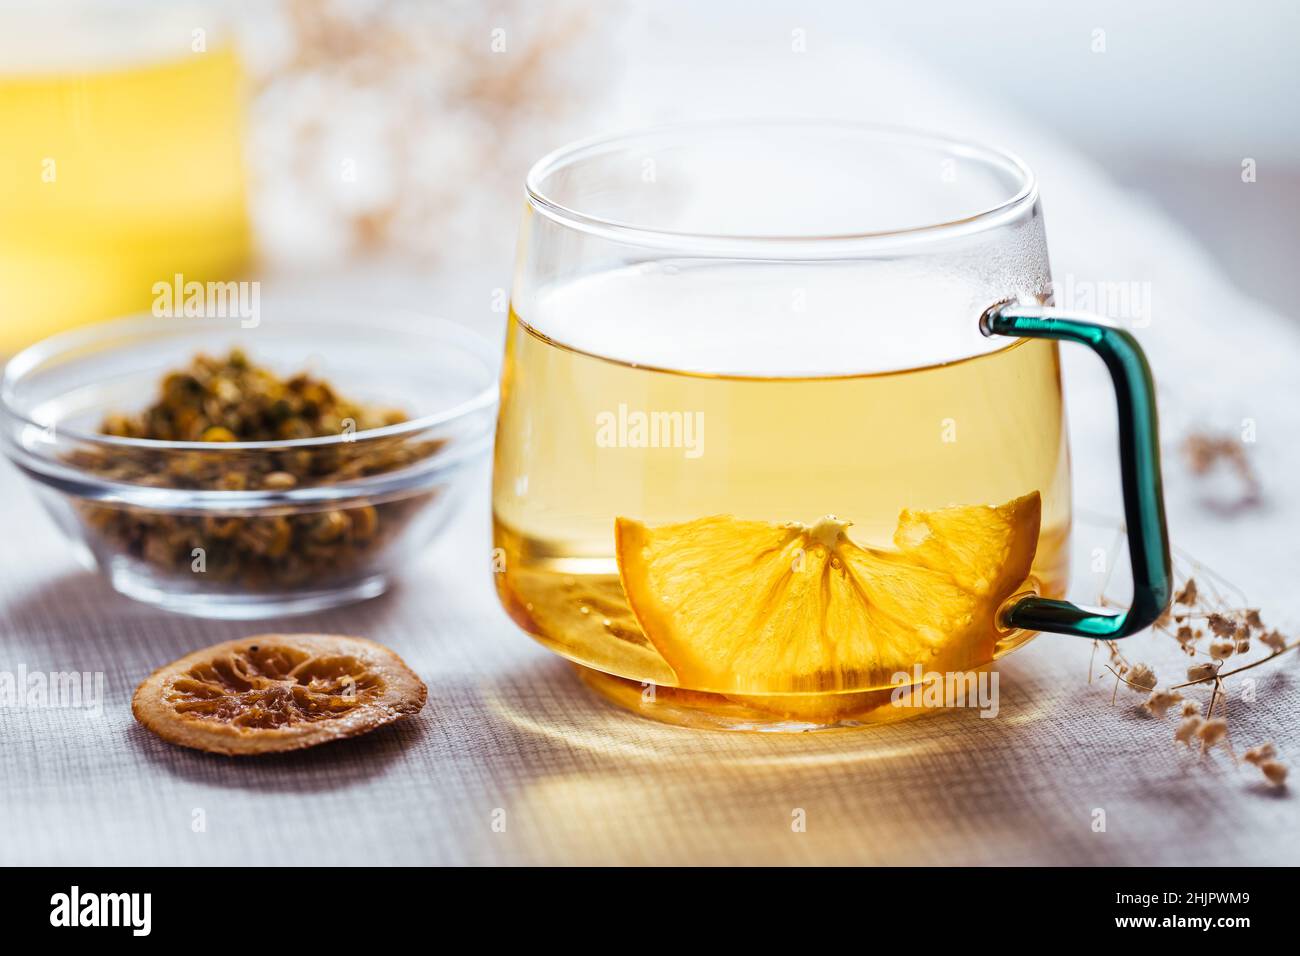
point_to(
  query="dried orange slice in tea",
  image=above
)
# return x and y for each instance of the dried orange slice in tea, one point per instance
(277, 692)
(592, 614)
(753, 607)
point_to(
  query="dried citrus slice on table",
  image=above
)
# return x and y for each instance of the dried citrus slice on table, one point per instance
(277, 692)
(755, 607)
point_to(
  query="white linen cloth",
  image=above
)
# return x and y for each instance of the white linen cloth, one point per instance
(509, 728)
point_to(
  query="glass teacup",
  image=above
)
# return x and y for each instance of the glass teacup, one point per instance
(781, 425)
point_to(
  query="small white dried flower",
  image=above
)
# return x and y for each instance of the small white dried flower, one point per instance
(1201, 671)
(1142, 677)
(1211, 732)
(1274, 641)
(1160, 701)
(1275, 772)
(1258, 755)
(1221, 650)
(1221, 626)
(1187, 729)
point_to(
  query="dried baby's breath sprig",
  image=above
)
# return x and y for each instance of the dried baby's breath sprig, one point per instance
(1212, 731)
(1258, 755)
(1188, 593)
(1141, 677)
(1200, 672)
(1236, 670)
(1188, 728)
(1187, 636)
(1206, 453)
(398, 128)
(1221, 625)
(1204, 604)
(1221, 650)
(1273, 641)
(1215, 695)
(1160, 701)
(1274, 772)
(1265, 758)
(1138, 677)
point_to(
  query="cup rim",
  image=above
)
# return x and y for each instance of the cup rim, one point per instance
(34, 356)
(687, 241)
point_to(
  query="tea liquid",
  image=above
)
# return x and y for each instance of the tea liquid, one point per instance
(667, 395)
(115, 176)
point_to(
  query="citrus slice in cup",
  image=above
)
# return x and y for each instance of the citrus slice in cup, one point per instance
(277, 692)
(753, 607)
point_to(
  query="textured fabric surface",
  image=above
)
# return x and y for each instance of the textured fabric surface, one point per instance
(508, 727)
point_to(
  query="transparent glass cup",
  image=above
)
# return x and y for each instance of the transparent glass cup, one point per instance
(101, 198)
(781, 423)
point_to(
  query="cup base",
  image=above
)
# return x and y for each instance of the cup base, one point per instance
(780, 714)
(246, 606)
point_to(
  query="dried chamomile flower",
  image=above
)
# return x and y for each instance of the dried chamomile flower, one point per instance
(1141, 677)
(230, 399)
(1211, 732)
(279, 481)
(1160, 701)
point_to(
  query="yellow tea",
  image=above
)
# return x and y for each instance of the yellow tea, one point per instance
(115, 176)
(663, 395)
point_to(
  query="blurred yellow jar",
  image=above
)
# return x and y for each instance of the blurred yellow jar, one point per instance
(119, 167)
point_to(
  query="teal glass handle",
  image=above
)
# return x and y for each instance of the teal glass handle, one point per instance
(1139, 460)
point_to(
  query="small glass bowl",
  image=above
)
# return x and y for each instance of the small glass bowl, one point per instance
(159, 519)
